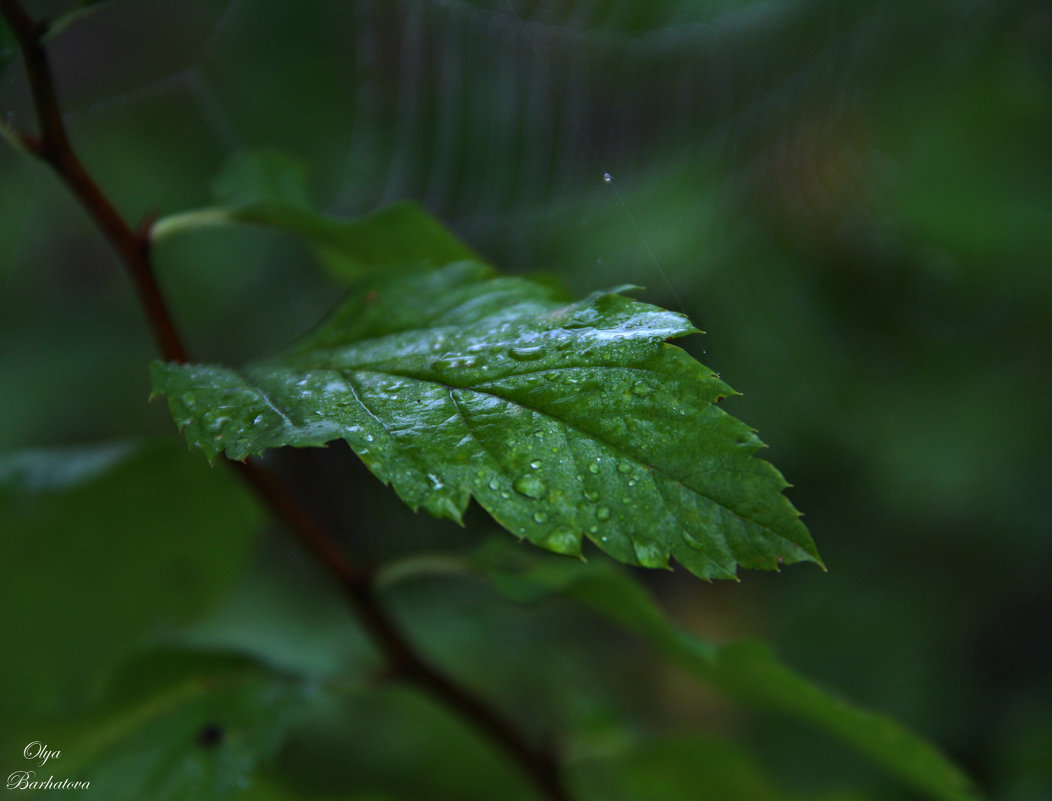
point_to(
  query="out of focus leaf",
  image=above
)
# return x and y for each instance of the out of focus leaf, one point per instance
(747, 671)
(104, 545)
(269, 188)
(673, 768)
(181, 726)
(563, 419)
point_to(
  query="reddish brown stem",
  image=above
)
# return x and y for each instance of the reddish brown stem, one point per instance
(52, 145)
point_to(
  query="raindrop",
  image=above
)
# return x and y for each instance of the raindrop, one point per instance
(692, 542)
(527, 354)
(607, 178)
(368, 437)
(494, 484)
(650, 555)
(564, 540)
(602, 513)
(505, 494)
(535, 464)
(530, 486)
(539, 517)
(594, 467)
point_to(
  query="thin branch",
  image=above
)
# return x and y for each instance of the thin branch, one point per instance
(52, 145)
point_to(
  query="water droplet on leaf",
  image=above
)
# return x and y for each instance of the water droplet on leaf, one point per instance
(564, 540)
(650, 555)
(526, 354)
(693, 542)
(530, 486)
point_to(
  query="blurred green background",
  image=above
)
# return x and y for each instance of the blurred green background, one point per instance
(853, 200)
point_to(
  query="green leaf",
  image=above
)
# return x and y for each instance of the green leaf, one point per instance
(747, 671)
(673, 768)
(180, 726)
(563, 419)
(103, 546)
(269, 188)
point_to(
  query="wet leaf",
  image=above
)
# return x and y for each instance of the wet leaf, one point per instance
(566, 420)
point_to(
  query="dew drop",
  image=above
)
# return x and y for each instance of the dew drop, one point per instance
(632, 482)
(591, 495)
(526, 354)
(692, 542)
(564, 540)
(626, 500)
(535, 464)
(650, 555)
(530, 486)
(602, 513)
(368, 437)
(641, 388)
(593, 468)
(607, 178)
(494, 484)
(624, 467)
(539, 517)
(257, 420)
(505, 494)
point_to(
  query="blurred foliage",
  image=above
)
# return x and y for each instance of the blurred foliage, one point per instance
(853, 199)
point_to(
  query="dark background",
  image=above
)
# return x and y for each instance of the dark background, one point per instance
(853, 200)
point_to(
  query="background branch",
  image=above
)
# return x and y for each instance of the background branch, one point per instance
(404, 663)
